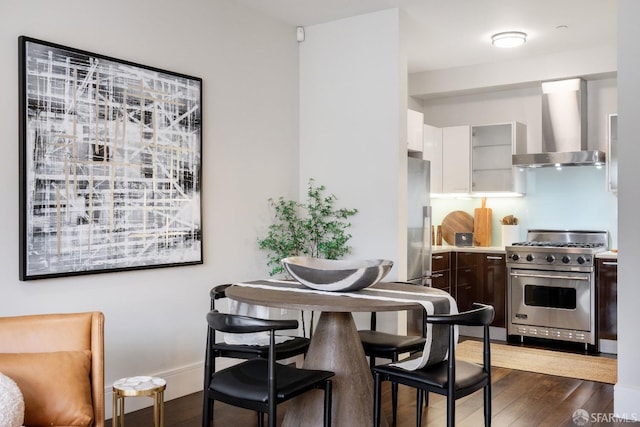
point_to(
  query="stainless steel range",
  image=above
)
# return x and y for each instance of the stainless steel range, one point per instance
(551, 285)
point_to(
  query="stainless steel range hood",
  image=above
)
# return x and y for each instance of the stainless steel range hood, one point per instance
(564, 128)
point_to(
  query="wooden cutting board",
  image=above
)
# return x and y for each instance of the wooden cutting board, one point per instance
(456, 222)
(482, 225)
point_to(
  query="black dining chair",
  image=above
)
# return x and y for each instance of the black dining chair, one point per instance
(259, 384)
(294, 346)
(216, 347)
(377, 344)
(451, 378)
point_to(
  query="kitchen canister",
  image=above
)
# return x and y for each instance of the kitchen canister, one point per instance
(510, 234)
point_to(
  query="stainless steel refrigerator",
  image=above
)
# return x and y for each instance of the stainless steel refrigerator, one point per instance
(418, 232)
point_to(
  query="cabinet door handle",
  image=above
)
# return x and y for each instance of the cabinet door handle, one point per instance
(610, 263)
(438, 257)
(494, 257)
(436, 275)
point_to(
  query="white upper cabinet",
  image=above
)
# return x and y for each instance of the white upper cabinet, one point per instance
(415, 122)
(475, 159)
(456, 164)
(432, 151)
(491, 163)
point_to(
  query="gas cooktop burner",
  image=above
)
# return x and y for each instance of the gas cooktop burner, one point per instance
(559, 244)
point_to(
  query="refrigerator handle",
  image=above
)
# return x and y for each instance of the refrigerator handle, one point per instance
(426, 244)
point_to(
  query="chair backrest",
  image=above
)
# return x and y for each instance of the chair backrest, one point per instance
(234, 323)
(478, 315)
(62, 333)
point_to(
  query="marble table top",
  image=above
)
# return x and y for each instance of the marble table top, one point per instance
(139, 384)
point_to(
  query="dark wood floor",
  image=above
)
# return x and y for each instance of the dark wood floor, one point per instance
(519, 399)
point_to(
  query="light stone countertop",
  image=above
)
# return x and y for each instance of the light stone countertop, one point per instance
(607, 255)
(451, 248)
(501, 249)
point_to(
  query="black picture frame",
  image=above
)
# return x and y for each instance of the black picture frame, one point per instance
(110, 164)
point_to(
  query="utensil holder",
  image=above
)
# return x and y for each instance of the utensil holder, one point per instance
(510, 234)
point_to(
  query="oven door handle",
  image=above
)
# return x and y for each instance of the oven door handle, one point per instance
(549, 276)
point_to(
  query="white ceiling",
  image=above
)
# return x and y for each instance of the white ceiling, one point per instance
(452, 33)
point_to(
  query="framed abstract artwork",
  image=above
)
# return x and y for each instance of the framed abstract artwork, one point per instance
(110, 164)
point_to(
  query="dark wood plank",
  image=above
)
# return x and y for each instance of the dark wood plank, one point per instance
(563, 412)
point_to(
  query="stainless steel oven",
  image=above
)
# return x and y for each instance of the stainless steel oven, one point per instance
(552, 304)
(551, 285)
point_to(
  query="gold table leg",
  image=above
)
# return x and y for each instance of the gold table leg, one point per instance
(138, 386)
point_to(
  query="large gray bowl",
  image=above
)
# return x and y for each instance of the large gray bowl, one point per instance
(336, 275)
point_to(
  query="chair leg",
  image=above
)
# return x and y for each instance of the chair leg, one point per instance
(419, 394)
(377, 391)
(394, 394)
(207, 412)
(272, 417)
(328, 398)
(451, 411)
(487, 405)
(394, 402)
(260, 419)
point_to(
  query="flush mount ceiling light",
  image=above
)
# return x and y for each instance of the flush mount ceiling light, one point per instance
(508, 39)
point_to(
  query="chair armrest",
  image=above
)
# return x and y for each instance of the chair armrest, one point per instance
(479, 315)
(234, 323)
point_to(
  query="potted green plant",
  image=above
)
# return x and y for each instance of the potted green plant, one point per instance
(315, 228)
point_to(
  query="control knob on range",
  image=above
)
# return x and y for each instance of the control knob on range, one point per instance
(566, 259)
(529, 257)
(581, 260)
(515, 257)
(550, 258)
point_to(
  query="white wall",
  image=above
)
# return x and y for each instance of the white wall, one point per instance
(155, 319)
(352, 117)
(627, 390)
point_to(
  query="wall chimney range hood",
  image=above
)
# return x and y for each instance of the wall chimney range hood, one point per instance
(564, 128)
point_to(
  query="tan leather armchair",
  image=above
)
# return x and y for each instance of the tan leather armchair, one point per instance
(49, 357)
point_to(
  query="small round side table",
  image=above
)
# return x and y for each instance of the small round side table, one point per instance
(139, 386)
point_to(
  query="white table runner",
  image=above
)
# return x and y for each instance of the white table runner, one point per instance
(434, 302)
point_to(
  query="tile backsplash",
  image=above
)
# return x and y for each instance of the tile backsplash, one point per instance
(573, 198)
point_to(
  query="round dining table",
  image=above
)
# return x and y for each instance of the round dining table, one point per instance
(335, 346)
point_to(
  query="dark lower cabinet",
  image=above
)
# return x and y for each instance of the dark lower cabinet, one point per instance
(494, 286)
(607, 289)
(466, 275)
(440, 271)
(481, 277)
